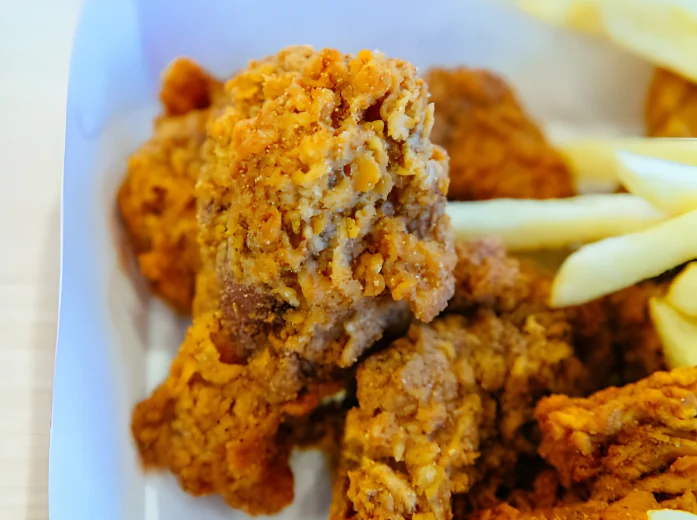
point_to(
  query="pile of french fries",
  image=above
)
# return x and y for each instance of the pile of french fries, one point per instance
(620, 239)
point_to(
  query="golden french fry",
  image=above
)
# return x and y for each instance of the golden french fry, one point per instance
(526, 225)
(668, 185)
(660, 31)
(670, 514)
(615, 263)
(683, 291)
(678, 334)
(594, 162)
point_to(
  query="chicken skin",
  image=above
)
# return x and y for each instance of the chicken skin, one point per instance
(157, 199)
(322, 204)
(496, 150)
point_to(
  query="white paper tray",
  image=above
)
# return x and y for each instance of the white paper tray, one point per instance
(114, 342)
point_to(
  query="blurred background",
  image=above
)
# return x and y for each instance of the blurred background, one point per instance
(35, 41)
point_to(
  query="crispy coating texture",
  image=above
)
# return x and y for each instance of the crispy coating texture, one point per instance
(323, 203)
(486, 276)
(495, 149)
(671, 106)
(449, 405)
(157, 199)
(215, 422)
(639, 437)
(633, 507)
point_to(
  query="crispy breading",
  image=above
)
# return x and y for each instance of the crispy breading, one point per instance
(301, 269)
(486, 276)
(642, 436)
(450, 406)
(671, 106)
(323, 203)
(496, 150)
(443, 408)
(619, 453)
(215, 422)
(157, 198)
(633, 507)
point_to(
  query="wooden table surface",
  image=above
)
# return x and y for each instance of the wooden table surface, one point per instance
(35, 41)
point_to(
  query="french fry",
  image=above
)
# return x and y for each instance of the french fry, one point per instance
(615, 263)
(660, 31)
(594, 162)
(668, 185)
(526, 225)
(670, 514)
(683, 291)
(678, 334)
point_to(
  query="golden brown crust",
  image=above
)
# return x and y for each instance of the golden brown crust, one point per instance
(466, 385)
(443, 408)
(633, 507)
(495, 149)
(157, 198)
(641, 436)
(187, 87)
(671, 106)
(323, 203)
(214, 423)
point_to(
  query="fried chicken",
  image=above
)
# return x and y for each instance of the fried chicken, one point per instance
(322, 223)
(215, 421)
(450, 405)
(671, 106)
(496, 150)
(157, 199)
(633, 507)
(323, 204)
(616, 454)
(639, 437)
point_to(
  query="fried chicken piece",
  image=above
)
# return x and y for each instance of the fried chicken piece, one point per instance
(619, 453)
(633, 507)
(495, 149)
(157, 199)
(639, 437)
(671, 106)
(323, 204)
(486, 276)
(215, 422)
(443, 408)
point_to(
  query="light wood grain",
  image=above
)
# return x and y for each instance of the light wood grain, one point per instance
(35, 41)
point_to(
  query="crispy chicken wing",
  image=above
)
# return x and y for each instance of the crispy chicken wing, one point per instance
(671, 106)
(495, 149)
(157, 199)
(323, 204)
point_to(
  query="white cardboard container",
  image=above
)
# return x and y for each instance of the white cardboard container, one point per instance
(114, 340)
